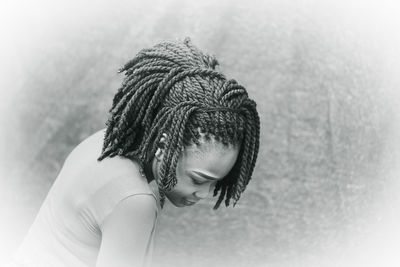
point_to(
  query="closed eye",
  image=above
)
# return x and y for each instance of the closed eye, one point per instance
(197, 182)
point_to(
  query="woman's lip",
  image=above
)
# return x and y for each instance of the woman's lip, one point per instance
(188, 203)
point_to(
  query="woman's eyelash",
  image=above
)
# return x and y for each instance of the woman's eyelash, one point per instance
(196, 182)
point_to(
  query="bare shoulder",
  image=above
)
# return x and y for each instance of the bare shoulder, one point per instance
(127, 231)
(140, 209)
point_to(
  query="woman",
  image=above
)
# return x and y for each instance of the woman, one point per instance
(178, 129)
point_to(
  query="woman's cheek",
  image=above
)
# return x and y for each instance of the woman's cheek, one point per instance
(184, 188)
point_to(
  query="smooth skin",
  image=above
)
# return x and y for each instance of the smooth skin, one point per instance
(198, 170)
(121, 244)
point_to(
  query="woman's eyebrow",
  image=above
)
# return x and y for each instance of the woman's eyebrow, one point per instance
(205, 176)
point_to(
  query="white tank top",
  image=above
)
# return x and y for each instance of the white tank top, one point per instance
(66, 231)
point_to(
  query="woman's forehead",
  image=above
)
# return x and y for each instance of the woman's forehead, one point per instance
(208, 147)
(213, 158)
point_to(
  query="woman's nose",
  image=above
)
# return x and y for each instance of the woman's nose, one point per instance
(203, 192)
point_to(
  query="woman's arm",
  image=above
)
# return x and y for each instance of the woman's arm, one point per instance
(126, 232)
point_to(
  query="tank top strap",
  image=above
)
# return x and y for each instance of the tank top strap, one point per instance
(105, 199)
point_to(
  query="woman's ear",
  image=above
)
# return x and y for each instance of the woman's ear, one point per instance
(161, 145)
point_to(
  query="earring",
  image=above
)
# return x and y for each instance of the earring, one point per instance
(158, 154)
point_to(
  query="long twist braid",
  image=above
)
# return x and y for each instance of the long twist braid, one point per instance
(174, 89)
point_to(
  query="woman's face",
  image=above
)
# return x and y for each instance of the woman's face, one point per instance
(198, 170)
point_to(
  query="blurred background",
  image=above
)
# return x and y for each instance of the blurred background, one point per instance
(324, 75)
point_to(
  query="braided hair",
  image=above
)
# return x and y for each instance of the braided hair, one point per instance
(174, 88)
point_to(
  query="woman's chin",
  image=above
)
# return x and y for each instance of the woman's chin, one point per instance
(180, 203)
(176, 202)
